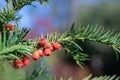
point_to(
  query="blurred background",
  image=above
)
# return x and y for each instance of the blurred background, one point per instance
(58, 16)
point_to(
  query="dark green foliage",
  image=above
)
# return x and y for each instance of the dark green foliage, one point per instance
(73, 49)
(11, 43)
(92, 33)
(7, 14)
(98, 34)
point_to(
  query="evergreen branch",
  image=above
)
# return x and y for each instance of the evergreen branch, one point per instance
(117, 51)
(75, 52)
(52, 37)
(92, 33)
(12, 43)
(22, 34)
(17, 36)
(15, 48)
(98, 34)
(70, 46)
(7, 14)
(114, 77)
(18, 4)
(2, 57)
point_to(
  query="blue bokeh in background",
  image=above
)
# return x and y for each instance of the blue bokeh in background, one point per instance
(60, 12)
(62, 15)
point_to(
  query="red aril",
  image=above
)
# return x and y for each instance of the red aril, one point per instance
(26, 60)
(18, 64)
(42, 42)
(47, 52)
(10, 27)
(56, 46)
(35, 55)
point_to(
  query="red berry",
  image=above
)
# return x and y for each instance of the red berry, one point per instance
(42, 42)
(18, 64)
(10, 27)
(47, 45)
(57, 46)
(26, 60)
(51, 48)
(35, 55)
(40, 53)
(47, 52)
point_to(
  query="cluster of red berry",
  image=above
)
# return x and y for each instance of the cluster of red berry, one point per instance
(46, 50)
(10, 27)
(20, 63)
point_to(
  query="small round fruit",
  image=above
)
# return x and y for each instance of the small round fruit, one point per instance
(26, 60)
(57, 46)
(18, 64)
(51, 48)
(35, 55)
(10, 27)
(47, 45)
(42, 42)
(40, 53)
(47, 52)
